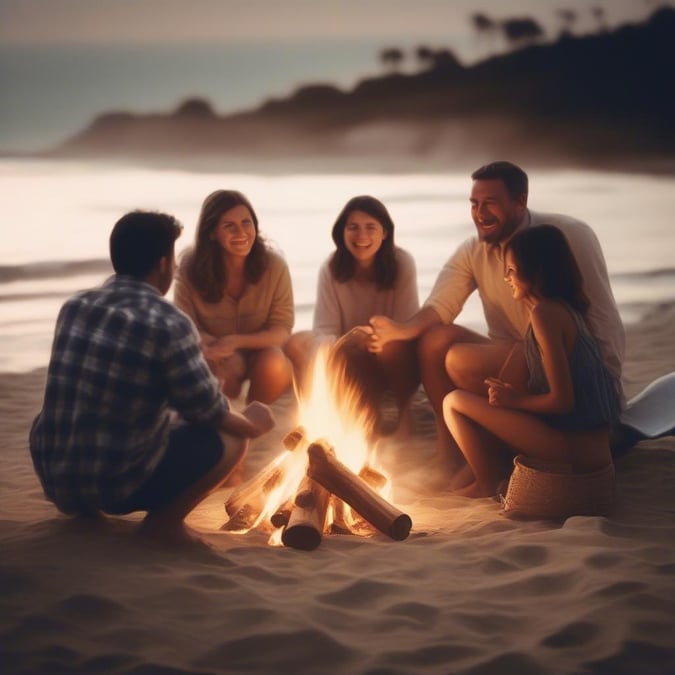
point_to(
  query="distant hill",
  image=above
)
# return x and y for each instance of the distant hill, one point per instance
(593, 99)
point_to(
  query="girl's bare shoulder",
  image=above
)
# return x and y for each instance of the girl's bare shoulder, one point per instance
(551, 313)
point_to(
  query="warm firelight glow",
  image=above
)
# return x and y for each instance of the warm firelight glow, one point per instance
(329, 411)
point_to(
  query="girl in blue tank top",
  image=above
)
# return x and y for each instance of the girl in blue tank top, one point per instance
(565, 413)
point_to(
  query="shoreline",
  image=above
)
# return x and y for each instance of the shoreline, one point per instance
(651, 314)
(356, 164)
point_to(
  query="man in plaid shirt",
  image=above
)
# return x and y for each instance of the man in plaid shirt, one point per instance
(123, 360)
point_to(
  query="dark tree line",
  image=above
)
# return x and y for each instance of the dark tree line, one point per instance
(517, 31)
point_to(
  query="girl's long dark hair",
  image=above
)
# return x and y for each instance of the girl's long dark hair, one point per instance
(342, 263)
(204, 264)
(545, 260)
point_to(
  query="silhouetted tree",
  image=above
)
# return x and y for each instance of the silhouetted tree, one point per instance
(445, 60)
(483, 23)
(521, 29)
(392, 57)
(599, 16)
(195, 107)
(485, 27)
(568, 17)
(424, 56)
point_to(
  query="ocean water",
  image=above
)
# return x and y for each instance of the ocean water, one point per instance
(52, 92)
(56, 218)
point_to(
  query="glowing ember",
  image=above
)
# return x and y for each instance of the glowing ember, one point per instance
(305, 491)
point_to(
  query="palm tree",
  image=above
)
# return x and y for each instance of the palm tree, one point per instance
(568, 17)
(485, 26)
(425, 56)
(523, 29)
(599, 16)
(392, 57)
(482, 23)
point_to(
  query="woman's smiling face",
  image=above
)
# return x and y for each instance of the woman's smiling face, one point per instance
(363, 236)
(235, 231)
(520, 289)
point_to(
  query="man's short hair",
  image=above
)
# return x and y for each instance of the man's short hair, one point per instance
(139, 239)
(514, 178)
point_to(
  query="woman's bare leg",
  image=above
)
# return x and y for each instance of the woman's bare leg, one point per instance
(231, 373)
(487, 457)
(271, 374)
(400, 373)
(469, 415)
(300, 350)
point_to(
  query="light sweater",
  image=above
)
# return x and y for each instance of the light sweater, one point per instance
(479, 265)
(342, 305)
(263, 305)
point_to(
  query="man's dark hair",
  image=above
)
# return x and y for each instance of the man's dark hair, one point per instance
(139, 239)
(513, 177)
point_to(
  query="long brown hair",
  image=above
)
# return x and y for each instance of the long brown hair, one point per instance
(342, 263)
(204, 264)
(545, 260)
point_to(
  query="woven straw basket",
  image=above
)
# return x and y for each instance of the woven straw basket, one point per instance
(538, 490)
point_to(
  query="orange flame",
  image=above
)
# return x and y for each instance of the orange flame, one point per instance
(330, 408)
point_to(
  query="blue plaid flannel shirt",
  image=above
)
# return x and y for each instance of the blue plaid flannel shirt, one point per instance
(122, 358)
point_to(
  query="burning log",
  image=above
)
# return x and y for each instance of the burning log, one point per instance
(373, 477)
(293, 438)
(307, 519)
(339, 524)
(328, 471)
(246, 503)
(344, 518)
(280, 517)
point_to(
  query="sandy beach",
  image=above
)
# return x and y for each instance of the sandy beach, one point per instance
(469, 591)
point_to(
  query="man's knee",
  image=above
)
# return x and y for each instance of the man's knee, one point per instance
(454, 364)
(468, 364)
(434, 342)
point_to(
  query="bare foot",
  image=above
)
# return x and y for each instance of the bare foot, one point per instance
(470, 490)
(474, 490)
(461, 478)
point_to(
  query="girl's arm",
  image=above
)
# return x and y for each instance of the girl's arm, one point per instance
(514, 369)
(548, 325)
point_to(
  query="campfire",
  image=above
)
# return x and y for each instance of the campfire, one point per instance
(327, 478)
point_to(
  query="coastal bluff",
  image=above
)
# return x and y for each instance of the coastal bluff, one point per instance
(605, 98)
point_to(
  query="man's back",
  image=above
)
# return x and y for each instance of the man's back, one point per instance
(121, 356)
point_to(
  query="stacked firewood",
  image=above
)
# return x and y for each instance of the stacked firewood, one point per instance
(327, 482)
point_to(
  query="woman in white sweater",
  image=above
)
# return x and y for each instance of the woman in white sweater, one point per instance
(367, 274)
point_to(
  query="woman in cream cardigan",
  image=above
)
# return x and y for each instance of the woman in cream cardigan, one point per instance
(238, 293)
